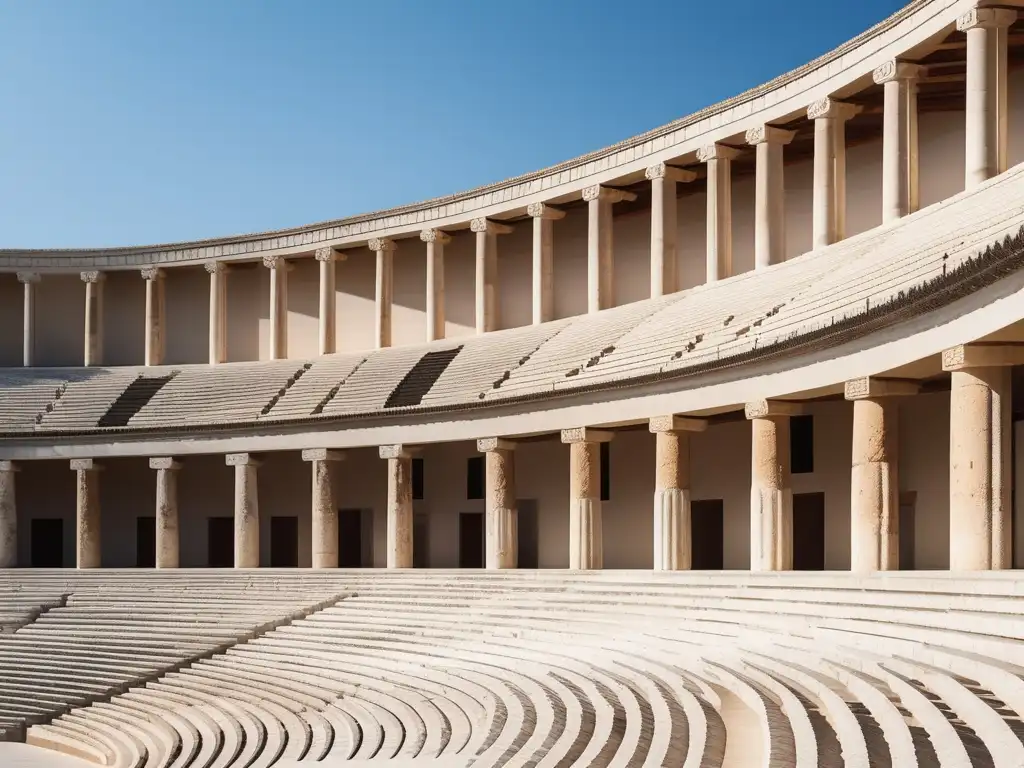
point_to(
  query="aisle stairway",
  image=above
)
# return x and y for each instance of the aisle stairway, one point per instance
(604, 669)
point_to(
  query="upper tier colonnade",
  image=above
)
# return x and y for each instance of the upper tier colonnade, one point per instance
(887, 56)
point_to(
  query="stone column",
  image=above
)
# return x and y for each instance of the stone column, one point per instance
(718, 158)
(980, 473)
(771, 498)
(828, 215)
(436, 240)
(93, 318)
(8, 516)
(672, 543)
(600, 245)
(87, 512)
(586, 546)
(544, 218)
(399, 458)
(874, 473)
(769, 194)
(986, 103)
(29, 280)
(502, 522)
(327, 333)
(218, 311)
(325, 514)
(663, 180)
(247, 509)
(278, 306)
(167, 530)
(899, 138)
(384, 292)
(155, 303)
(487, 309)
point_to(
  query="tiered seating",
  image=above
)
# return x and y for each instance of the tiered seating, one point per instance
(595, 669)
(85, 401)
(19, 607)
(27, 393)
(316, 385)
(103, 638)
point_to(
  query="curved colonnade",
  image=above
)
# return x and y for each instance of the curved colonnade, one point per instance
(593, 669)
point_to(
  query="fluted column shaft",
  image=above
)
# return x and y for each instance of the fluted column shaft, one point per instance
(771, 497)
(8, 516)
(218, 344)
(29, 280)
(167, 527)
(600, 245)
(399, 510)
(328, 310)
(986, 102)
(672, 524)
(718, 159)
(247, 509)
(899, 139)
(384, 291)
(828, 215)
(502, 529)
(278, 306)
(155, 305)
(324, 511)
(93, 354)
(436, 241)
(769, 194)
(487, 309)
(586, 544)
(87, 512)
(664, 218)
(544, 218)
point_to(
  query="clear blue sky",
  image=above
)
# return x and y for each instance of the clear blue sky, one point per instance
(144, 121)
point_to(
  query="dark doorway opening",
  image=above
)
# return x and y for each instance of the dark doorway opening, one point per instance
(908, 507)
(809, 532)
(220, 543)
(350, 538)
(284, 542)
(471, 540)
(420, 540)
(526, 525)
(47, 542)
(145, 542)
(707, 534)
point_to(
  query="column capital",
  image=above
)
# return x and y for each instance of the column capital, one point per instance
(544, 211)
(85, 465)
(897, 70)
(986, 18)
(762, 409)
(768, 134)
(379, 244)
(322, 454)
(670, 172)
(716, 152)
(92, 277)
(673, 423)
(241, 460)
(215, 267)
(490, 227)
(29, 277)
(586, 435)
(830, 108)
(869, 387)
(272, 261)
(982, 355)
(151, 273)
(6, 465)
(435, 236)
(327, 253)
(488, 444)
(164, 462)
(607, 194)
(396, 451)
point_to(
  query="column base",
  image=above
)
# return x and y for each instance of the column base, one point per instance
(502, 538)
(874, 534)
(672, 545)
(771, 529)
(586, 548)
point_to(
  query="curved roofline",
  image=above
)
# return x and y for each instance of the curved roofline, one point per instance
(306, 237)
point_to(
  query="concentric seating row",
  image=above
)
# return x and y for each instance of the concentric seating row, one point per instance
(101, 639)
(608, 668)
(793, 303)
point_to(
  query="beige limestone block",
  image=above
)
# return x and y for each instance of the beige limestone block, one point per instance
(8, 516)
(87, 512)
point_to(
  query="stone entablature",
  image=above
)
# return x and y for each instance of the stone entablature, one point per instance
(772, 101)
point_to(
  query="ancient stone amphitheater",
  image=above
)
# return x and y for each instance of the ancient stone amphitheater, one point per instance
(713, 464)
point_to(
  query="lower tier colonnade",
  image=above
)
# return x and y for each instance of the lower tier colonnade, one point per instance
(980, 480)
